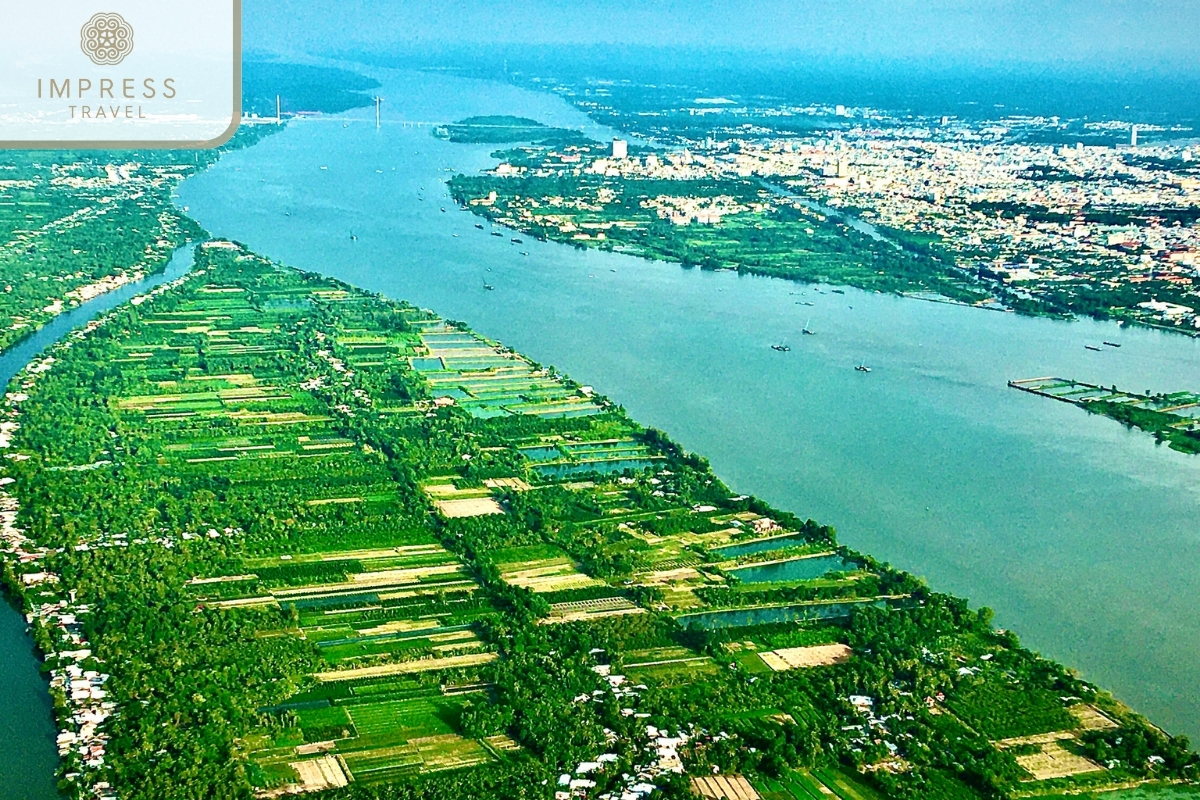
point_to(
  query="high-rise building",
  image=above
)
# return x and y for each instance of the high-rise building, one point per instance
(620, 148)
(1133, 132)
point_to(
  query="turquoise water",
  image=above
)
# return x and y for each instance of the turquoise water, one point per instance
(428, 364)
(586, 467)
(541, 453)
(797, 569)
(1080, 534)
(743, 617)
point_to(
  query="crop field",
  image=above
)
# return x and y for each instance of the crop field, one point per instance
(667, 665)
(542, 568)
(822, 655)
(1050, 755)
(488, 381)
(822, 784)
(724, 787)
(376, 740)
(580, 610)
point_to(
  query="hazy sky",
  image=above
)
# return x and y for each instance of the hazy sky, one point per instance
(1103, 32)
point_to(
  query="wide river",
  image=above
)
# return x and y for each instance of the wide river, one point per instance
(1083, 536)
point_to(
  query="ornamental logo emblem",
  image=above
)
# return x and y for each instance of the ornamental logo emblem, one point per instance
(106, 39)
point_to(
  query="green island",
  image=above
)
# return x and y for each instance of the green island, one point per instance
(559, 193)
(506, 129)
(274, 534)
(673, 211)
(1172, 418)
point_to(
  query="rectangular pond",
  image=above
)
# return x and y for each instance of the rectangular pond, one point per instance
(794, 569)
(748, 617)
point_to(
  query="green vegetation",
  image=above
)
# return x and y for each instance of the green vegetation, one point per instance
(505, 129)
(302, 87)
(75, 225)
(1003, 710)
(280, 534)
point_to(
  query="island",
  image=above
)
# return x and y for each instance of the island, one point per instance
(505, 129)
(277, 535)
(1038, 215)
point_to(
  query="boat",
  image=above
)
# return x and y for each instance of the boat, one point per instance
(443, 210)
(807, 331)
(353, 238)
(524, 252)
(498, 233)
(1112, 344)
(1092, 347)
(863, 367)
(515, 240)
(837, 291)
(782, 348)
(489, 287)
(804, 303)
(477, 225)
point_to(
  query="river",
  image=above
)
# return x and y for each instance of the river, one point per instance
(1081, 534)
(28, 756)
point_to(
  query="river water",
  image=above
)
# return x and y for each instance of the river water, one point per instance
(28, 756)
(1081, 534)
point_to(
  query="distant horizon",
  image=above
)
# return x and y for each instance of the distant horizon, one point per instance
(919, 86)
(1111, 36)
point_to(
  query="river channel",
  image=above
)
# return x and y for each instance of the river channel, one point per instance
(28, 756)
(1080, 534)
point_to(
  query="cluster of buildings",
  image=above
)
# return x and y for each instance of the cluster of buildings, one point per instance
(1028, 220)
(1032, 218)
(658, 752)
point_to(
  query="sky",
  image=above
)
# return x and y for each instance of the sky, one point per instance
(1100, 34)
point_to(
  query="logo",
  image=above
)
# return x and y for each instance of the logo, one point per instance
(106, 39)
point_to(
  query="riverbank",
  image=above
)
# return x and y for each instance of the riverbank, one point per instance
(929, 462)
(28, 752)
